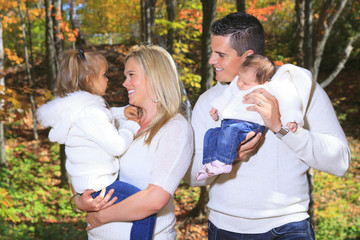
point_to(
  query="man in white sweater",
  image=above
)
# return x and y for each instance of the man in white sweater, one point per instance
(266, 195)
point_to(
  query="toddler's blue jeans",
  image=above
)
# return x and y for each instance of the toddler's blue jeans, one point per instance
(141, 229)
(221, 143)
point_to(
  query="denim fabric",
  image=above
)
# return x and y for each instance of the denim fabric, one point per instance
(301, 230)
(221, 143)
(141, 229)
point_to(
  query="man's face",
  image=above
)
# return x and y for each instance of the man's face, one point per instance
(224, 59)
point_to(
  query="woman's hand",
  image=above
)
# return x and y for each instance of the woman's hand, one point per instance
(93, 220)
(85, 202)
(267, 106)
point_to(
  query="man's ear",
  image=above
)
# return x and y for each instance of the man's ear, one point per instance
(248, 53)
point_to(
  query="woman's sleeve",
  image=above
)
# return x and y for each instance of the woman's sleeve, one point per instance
(174, 150)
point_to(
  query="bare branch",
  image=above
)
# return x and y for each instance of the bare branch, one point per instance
(326, 23)
(341, 64)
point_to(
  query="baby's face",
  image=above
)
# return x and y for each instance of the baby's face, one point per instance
(247, 79)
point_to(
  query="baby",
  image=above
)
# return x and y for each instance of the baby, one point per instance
(221, 143)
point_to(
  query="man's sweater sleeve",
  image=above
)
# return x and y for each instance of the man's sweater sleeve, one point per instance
(321, 144)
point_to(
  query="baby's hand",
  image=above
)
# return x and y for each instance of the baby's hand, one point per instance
(292, 126)
(130, 113)
(214, 114)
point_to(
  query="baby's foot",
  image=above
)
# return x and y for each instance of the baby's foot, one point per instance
(213, 168)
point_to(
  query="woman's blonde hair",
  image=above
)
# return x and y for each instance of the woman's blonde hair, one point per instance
(74, 67)
(160, 69)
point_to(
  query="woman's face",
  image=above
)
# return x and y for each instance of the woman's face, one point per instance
(136, 83)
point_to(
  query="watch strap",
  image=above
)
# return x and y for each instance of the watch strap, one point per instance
(281, 133)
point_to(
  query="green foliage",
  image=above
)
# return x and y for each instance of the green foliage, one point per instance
(5, 206)
(41, 205)
(337, 201)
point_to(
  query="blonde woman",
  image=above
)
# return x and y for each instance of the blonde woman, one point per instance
(160, 155)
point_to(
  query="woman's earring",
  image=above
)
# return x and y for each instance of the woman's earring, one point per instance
(155, 100)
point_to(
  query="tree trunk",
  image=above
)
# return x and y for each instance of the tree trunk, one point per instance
(341, 64)
(51, 60)
(28, 72)
(329, 14)
(2, 84)
(80, 40)
(207, 75)
(207, 72)
(308, 34)
(50, 49)
(147, 19)
(300, 31)
(170, 7)
(240, 6)
(310, 50)
(56, 18)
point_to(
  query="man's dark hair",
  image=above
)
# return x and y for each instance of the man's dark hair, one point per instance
(245, 31)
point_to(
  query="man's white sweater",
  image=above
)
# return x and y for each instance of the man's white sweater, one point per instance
(271, 188)
(85, 125)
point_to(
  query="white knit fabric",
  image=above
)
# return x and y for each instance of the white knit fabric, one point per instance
(82, 122)
(163, 163)
(271, 188)
(282, 87)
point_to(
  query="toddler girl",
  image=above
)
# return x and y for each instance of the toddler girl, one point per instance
(80, 119)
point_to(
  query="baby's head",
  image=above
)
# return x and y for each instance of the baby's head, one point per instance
(77, 71)
(261, 65)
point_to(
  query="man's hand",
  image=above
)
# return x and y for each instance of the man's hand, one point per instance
(131, 113)
(267, 106)
(246, 148)
(85, 202)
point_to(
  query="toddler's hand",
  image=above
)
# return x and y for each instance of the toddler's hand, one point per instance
(214, 114)
(292, 126)
(131, 113)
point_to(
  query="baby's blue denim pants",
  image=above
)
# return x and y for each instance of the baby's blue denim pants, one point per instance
(141, 229)
(221, 143)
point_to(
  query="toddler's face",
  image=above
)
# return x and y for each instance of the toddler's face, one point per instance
(99, 83)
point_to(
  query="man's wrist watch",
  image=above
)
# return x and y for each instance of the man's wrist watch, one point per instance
(281, 133)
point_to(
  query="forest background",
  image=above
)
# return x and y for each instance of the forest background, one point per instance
(321, 35)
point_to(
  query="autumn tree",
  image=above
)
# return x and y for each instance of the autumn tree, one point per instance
(240, 6)
(147, 19)
(58, 39)
(115, 19)
(313, 34)
(207, 73)
(50, 48)
(2, 88)
(80, 40)
(27, 63)
(170, 7)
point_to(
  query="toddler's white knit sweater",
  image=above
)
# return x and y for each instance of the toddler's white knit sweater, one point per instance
(85, 125)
